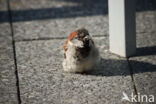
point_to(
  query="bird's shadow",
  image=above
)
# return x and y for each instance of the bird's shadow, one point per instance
(124, 67)
(112, 67)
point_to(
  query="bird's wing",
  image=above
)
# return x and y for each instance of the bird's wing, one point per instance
(65, 48)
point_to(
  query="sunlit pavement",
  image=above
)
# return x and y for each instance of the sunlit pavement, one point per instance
(31, 37)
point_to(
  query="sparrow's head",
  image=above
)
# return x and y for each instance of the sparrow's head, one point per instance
(80, 38)
(81, 41)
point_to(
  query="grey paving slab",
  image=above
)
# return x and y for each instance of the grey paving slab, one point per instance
(97, 25)
(57, 9)
(8, 92)
(38, 63)
(3, 11)
(52, 18)
(145, 72)
(42, 79)
(145, 21)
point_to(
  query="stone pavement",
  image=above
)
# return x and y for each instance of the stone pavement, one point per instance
(31, 37)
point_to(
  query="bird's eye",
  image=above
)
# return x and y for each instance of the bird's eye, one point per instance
(76, 37)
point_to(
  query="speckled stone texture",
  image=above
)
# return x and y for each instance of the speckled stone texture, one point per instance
(53, 18)
(64, 16)
(42, 79)
(145, 70)
(39, 29)
(8, 93)
(145, 22)
(59, 27)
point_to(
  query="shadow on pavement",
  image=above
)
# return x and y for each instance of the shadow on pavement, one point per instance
(145, 51)
(114, 67)
(87, 8)
(111, 67)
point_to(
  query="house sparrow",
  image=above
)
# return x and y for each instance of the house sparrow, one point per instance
(80, 53)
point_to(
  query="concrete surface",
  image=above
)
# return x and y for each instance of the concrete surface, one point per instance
(145, 71)
(40, 72)
(39, 30)
(8, 89)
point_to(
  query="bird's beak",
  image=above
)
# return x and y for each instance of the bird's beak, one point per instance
(86, 38)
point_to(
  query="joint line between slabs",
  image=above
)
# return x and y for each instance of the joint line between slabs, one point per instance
(54, 38)
(132, 77)
(14, 51)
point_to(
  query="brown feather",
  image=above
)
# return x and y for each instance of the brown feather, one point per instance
(71, 36)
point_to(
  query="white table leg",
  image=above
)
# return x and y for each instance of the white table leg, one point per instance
(122, 27)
